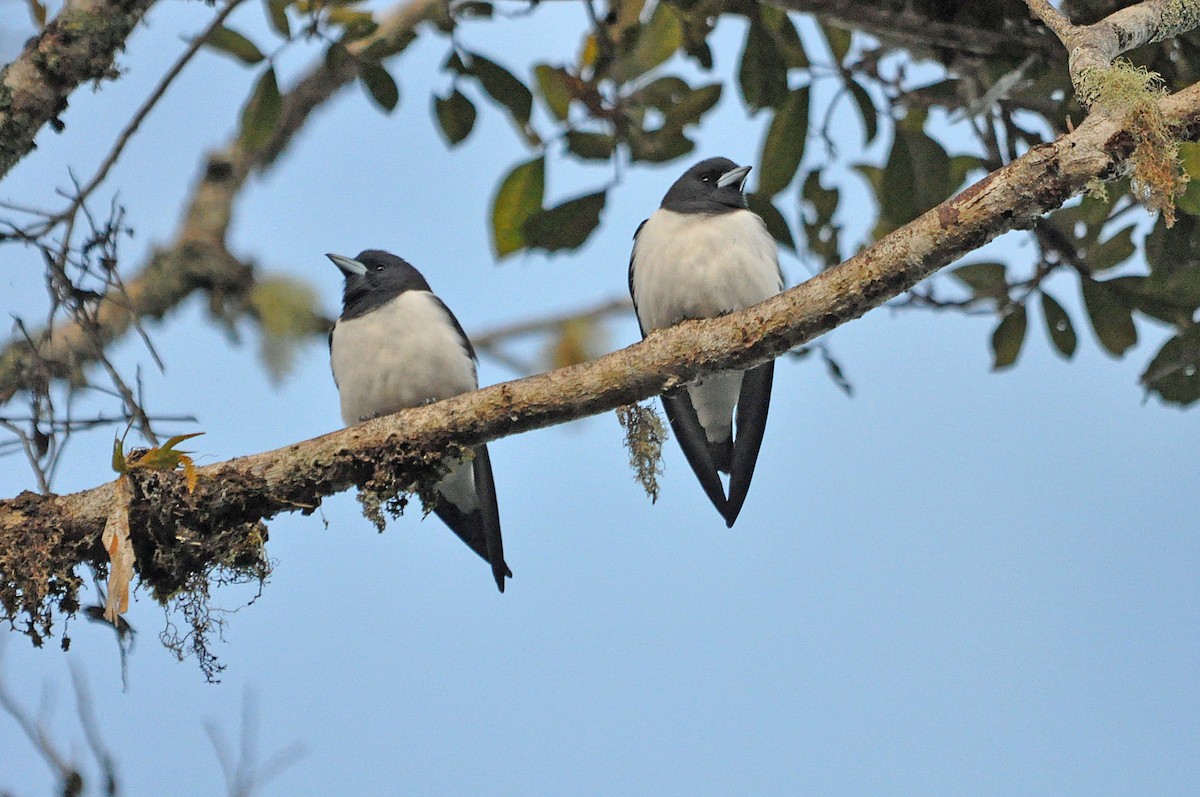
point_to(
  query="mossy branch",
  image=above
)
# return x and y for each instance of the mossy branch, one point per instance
(231, 498)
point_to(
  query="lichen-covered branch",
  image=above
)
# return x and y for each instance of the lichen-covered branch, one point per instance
(232, 497)
(198, 258)
(1095, 46)
(76, 46)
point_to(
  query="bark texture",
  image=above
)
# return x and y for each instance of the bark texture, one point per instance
(75, 47)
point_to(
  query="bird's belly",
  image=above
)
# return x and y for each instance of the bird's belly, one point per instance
(714, 398)
(403, 354)
(694, 266)
(458, 487)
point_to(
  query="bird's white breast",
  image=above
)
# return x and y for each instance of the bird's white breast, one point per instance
(405, 353)
(698, 266)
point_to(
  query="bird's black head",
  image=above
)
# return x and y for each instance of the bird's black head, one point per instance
(711, 186)
(373, 279)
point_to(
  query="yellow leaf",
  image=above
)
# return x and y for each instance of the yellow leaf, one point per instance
(165, 457)
(120, 552)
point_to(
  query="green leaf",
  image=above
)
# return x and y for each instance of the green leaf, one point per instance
(277, 16)
(1111, 319)
(824, 200)
(1113, 252)
(763, 72)
(839, 41)
(1058, 324)
(502, 87)
(916, 178)
(694, 104)
(783, 147)
(866, 108)
(984, 279)
(554, 85)
(1008, 337)
(566, 226)
(379, 85)
(1174, 373)
(776, 224)
(262, 111)
(590, 146)
(519, 198)
(790, 45)
(231, 42)
(455, 115)
(657, 41)
(659, 146)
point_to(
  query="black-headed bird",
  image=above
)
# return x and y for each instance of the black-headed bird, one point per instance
(397, 345)
(702, 254)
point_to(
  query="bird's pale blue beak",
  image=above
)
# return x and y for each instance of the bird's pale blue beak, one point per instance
(733, 177)
(348, 265)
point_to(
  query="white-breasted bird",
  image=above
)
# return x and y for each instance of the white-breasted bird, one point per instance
(397, 345)
(702, 254)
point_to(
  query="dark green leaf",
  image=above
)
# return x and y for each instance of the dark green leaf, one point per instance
(379, 85)
(866, 108)
(823, 200)
(231, 42)
(1113, 252)
(783, 146)
(554, 84)
(839, 41)
(834, 370)
(1174, 373)
(262, 111)
(763, 72)
(355, 24)
(1008, 337)
(960, 168)
(519, 198)
(1111, 318)
(661, 93)
(1058, 324)
(455, 115)
(590, 146)
(694, 104)
(790, 45)
(1173, 307)
(984, 279)
(566, 226)
(659, 146)
(473, 9)
(502, 87)
(277, 15)
(776, 224)
(916, 178)
(657, 41)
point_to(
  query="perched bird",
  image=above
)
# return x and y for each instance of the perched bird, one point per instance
(397, 345)
(703, 254)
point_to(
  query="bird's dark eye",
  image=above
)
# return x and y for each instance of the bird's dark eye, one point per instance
(705, 179)
(379, 267)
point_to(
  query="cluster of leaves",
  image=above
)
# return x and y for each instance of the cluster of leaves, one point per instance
(625, 97)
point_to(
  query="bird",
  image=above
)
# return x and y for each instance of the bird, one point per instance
(702, 254)
(397, 345)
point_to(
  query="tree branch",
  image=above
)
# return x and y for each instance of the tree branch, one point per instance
(170, 524)
(1095, 46)
(905, 26)
(198, 258)
(77, 46)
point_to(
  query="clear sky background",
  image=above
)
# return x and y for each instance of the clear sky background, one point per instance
(955, 582)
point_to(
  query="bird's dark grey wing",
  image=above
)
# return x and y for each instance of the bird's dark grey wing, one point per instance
(753, 403)
(335, 384)
(457, 327)
(690, 434)
(631, 294)
(480, 529)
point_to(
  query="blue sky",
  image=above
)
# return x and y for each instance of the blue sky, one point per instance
(954, 582)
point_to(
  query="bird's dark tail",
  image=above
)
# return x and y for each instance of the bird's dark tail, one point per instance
(690, 434)
(753, 403)
(480, 529)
